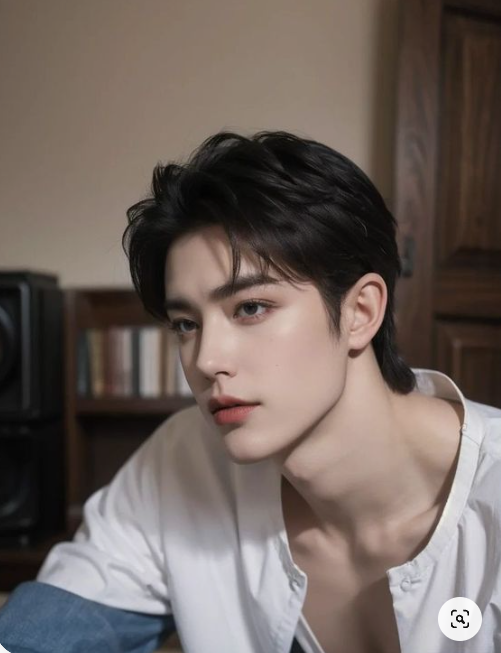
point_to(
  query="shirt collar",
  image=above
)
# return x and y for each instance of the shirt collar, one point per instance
(438, 384)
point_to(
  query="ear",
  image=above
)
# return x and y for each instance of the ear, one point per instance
(363, 310)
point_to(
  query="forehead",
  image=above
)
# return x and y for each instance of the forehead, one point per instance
(204, 259)
(199, 264)
(206, 251)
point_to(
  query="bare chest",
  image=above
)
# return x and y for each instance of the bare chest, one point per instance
(346, 611)
(348, 605)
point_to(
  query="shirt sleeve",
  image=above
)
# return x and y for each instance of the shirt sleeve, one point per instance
(116, 556)
(40, 618)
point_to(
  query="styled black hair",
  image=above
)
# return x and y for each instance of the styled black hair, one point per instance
(304, 209)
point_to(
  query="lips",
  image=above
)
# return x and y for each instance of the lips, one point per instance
(233, 415)
(225, 401)
(225, 407)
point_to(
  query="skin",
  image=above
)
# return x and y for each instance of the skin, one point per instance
(365, 465)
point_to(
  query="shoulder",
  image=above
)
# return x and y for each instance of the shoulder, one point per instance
(180, 453)
(485, 428)
(485, 423)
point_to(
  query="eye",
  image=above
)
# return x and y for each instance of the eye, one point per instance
(175, 325)
(254, 305)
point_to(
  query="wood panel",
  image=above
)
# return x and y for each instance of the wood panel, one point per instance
(488, 7)
(468, 292)
(448, 190)
(415, 173)
(469, 206)
(470, 353)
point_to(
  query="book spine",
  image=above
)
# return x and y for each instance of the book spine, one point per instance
(150, 350)
(83, 365)
(163, 361)
(155, 361)
(126, 360)
(136, 360)
(112, 363)
(96, 337)
(171, 352)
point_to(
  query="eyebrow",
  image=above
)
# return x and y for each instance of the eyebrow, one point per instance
(224, 291)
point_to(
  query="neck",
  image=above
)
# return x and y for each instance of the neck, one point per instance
(377, 462)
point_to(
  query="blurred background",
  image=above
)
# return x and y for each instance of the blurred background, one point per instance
(95, 93)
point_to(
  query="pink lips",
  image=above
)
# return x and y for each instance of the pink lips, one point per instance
(234, 414)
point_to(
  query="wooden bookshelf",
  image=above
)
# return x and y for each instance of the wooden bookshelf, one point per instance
(131, 406)
(100, 433)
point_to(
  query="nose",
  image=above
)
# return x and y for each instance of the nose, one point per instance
(216, 351)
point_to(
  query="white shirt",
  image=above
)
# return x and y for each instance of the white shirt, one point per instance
(183, 529)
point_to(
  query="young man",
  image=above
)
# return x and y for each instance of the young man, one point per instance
(342, 500)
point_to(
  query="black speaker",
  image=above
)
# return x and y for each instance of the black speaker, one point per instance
(31, 407)
(31, 347)
(31, 482)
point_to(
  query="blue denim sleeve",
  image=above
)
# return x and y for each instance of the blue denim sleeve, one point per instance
(42, 618)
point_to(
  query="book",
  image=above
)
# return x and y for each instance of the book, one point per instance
(149, 361)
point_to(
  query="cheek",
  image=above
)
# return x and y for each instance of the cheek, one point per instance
(308, 367)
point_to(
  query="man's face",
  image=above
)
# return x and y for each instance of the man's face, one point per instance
(282, 357)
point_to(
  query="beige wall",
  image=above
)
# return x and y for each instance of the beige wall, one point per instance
(94, 93)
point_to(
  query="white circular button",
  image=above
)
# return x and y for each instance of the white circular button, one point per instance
(406, 584)
(296, 581)
(459, 618)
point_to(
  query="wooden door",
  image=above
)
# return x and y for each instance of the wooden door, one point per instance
(448, 191)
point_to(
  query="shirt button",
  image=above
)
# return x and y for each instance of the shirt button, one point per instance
(295, 582)
(405, 584)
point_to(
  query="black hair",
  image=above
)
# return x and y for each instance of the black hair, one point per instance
(304, 209)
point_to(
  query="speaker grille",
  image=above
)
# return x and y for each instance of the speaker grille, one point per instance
(18, 480)
(8, 345)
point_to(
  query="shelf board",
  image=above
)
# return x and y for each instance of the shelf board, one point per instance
(34, 552)
(132, 405)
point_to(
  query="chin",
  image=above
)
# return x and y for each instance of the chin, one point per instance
(244, 460)
(246, 450)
